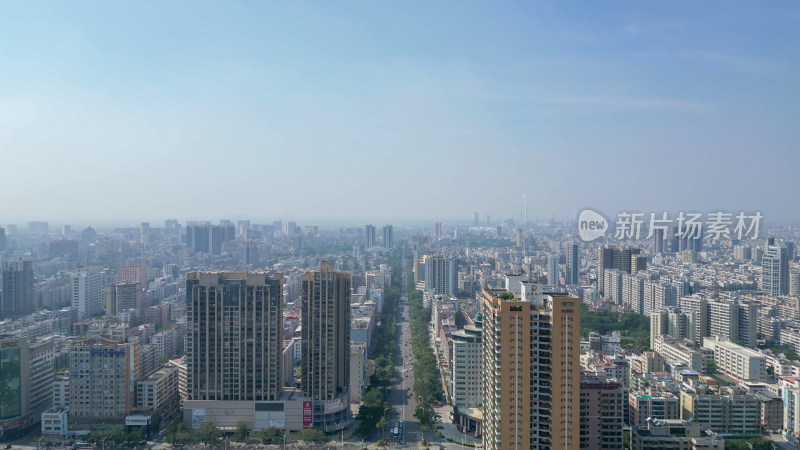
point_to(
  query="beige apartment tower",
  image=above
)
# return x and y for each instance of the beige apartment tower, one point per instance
(234, 337)
(531, 371)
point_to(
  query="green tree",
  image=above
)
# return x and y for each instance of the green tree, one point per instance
(311, 435)
(207, 433)
(240, 432)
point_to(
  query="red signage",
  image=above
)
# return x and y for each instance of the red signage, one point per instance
(307, 414)
(14, 425)
(11, 344)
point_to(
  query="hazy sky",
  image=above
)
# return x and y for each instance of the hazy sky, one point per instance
(118, 111)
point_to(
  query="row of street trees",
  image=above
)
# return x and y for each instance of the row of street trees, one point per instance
(427, 381)
(372, 412)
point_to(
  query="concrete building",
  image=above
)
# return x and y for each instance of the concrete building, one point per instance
(326, 345)
(644, 406)
(102, 389)
(679, 350)
(121, 296)
(87, 293)
(602, 414)
(573, 263)
(134, 273)
(388, 236)
(671, 322)
(15, 378)
(441, 275)
(369, 236)
(613, 257)
(358, 371)
(17, 297)
(790, 390)
(735, 415)
(737, 361)
(465, 368)
(553, 275)
(775, 268)
(674, 435)
(530, 402)
(234, 336)
(159, 391)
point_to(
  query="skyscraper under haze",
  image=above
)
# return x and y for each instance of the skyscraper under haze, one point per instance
(573, 263)
(326, 345)
(388, 238)
(18, 293)
(369, 236)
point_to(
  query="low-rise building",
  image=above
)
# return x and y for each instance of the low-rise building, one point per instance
(729, 414)
(674, 435)
(736, 360)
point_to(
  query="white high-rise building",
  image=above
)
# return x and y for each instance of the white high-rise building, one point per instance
(87, 292)
(775, 268)
(441, 274)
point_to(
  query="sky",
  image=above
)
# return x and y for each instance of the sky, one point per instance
(354, 111)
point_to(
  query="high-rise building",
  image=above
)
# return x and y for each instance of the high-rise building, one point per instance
(134, 273)
(234, 335)
(3, 240)
(573, 263)
(475, 220)
(325, 360)
(465, 369)
(441, 274)
(388, 238)
(613, 257)
(659, 241)
(202, 237)
(15, 378)
(144, 233)
(18, 293)
(87, 293)
(251, 253)
(123, 296)
(437, 231)
(775, 268)
(369, 236)
(794, 283)
(102, 385)
(553, 278)
(531, 370)
(729, 414)
(602, 414)
(671, 322)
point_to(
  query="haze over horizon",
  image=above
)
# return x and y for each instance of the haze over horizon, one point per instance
(128, 112)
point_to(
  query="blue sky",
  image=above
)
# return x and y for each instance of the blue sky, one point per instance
(113, 111)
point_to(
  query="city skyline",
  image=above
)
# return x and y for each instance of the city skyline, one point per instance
(114, 119)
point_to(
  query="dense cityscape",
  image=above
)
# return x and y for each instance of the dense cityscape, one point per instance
(279, 333)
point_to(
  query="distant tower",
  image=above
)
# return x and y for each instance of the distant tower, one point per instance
(552, 270)
(369, 236)
(525, 201)
(437, 231)
(18, 292)
(775, 268)
(388, 239)
(475, 221)
(573, 263)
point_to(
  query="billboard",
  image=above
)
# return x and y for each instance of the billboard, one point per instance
(308, 413)
(198, 418)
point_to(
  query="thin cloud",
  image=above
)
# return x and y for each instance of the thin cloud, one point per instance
(733, 62)
(637, 103)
